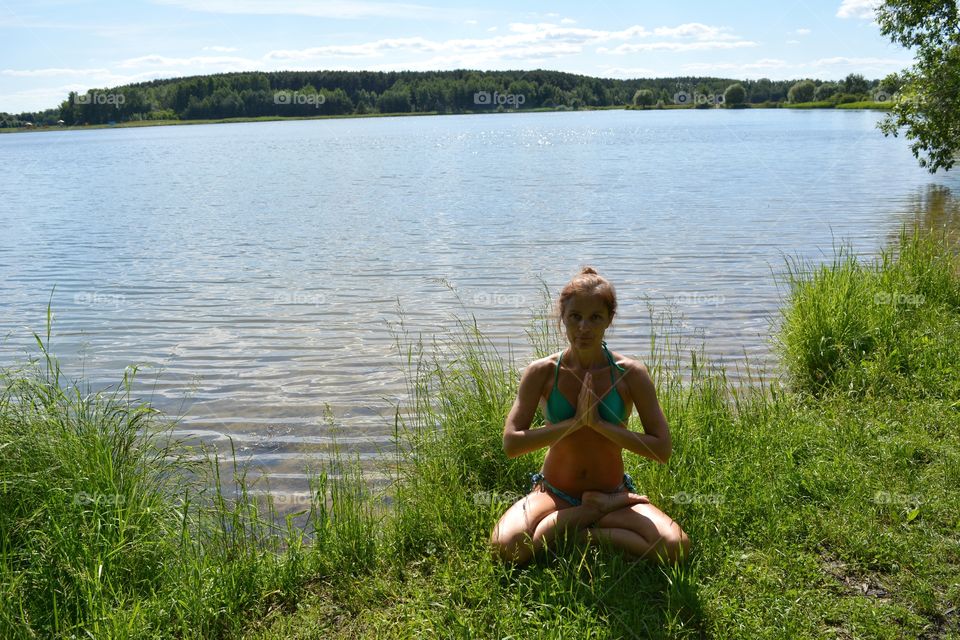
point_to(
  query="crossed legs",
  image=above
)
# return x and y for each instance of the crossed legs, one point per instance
(625, 520)
(643, 531)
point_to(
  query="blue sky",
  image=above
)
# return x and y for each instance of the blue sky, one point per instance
(50, 47)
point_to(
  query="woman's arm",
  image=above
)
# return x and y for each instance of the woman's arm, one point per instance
(655, 442)
(518, 437)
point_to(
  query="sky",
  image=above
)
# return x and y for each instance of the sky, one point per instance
(51, 47)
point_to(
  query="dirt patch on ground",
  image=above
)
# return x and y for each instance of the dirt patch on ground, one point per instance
(855, 582)
(859, 583)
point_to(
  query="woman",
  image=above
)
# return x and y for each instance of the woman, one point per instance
(582, 487)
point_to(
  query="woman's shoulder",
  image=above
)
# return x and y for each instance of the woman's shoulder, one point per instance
(542, 367)
(627, 363)
(545, 362)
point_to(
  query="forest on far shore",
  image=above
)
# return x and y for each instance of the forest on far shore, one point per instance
(314, 93)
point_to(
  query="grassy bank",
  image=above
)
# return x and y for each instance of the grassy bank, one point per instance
(826, 506)
(826, 104)
(883, 106)
(163, 123)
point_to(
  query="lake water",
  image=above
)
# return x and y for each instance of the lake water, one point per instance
(255, 271)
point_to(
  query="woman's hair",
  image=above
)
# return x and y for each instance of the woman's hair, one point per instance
(588, 281)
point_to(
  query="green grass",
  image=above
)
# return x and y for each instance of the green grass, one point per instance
(827, 104)
(823, 507)
(867, 104)
(822, 104)
(885, 106)
(163, 123)
(890, 328)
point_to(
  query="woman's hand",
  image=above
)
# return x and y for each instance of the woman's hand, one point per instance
(588, 414)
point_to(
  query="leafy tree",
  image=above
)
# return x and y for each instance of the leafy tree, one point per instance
(928, 105)
(891, 84)
(760, 90)
(844, 98)
(825, 91)
(735, 95)
(802, 91)
(366, 101)
(395, 100)
(855, 83)
(310, 93)
(644, 98)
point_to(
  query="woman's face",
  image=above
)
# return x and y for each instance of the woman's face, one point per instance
(585, 320)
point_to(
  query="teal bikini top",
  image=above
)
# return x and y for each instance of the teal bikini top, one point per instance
(611, 409)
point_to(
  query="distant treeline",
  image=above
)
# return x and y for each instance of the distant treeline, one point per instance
(308, 93)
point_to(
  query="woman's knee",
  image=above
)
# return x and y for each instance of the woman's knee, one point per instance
(676, 544)
(515, 548)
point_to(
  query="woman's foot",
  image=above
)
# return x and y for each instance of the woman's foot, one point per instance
(607, 502)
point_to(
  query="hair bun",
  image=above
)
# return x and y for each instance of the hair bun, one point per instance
(589, 270)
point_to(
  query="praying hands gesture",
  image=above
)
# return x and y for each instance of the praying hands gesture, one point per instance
(588, 413)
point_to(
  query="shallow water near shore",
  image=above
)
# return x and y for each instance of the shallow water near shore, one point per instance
(255, 271)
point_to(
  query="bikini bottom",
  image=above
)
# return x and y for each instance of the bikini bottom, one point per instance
(537, 478)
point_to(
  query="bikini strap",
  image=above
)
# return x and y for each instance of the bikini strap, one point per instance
(556, 376)
(610, 358)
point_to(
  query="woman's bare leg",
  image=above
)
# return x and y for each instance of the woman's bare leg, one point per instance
(643, 531)
(510, 539)
(537, 519)
(595, 505)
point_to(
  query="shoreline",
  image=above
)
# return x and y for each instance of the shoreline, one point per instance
(103, 512)
(857, 106)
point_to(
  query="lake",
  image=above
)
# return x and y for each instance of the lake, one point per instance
(254, 271)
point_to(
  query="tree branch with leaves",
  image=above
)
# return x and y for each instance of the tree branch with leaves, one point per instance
(927, 106)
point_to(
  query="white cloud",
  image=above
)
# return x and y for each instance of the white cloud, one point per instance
(47, 97)
(692, 36)
(802, 32)
(27, 100)
(46, 73)
(568, 21)
(626, 72)
(862, 9)
(193, 61)
(824, 68)
(746, 70)
(366, 50)
(861, 62)
(694, 30)
(524, 44)
(677, 46)
(338, 9)
(540, 40)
